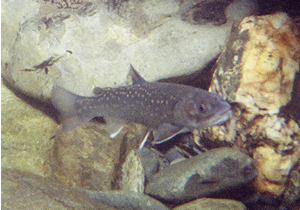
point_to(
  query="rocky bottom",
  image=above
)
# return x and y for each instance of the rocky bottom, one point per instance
(216, 179)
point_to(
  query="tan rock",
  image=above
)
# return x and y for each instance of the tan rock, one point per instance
(256, 72)
(273, 169)
(25, 133)
(133, 175)
(86, 158)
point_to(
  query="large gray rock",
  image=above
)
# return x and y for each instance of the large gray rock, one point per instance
(203, 175)
(83, 44)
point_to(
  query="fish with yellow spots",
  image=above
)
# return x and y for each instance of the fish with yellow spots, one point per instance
(167, 108)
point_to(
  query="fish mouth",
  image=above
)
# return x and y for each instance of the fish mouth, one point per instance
(223, 116)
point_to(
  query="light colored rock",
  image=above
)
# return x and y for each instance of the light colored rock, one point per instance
(26, 133)
(274, 169)
(212, 204)
(133, 175)
(85, 44)
(139, 167)
(257, 72)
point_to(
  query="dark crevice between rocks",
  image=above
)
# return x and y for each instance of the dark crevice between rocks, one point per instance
(292, 7)
(201, 78)
(117, 175)
(292, 109)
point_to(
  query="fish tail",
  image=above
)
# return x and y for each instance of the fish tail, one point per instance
(64, 101)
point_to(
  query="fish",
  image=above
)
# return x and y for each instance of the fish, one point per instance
(166, 108)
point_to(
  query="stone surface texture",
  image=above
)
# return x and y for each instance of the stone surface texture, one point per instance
(83, 44)
(86, 158)
(23, 190)
(25, 134)
(256, 72)
(212, 204)
(126, 200)
(202, 176)
(133, 175)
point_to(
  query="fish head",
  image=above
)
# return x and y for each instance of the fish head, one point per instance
(201, 109)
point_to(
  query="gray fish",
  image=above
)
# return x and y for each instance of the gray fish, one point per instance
(168, 108)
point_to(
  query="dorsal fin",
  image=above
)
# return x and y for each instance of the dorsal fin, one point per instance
(136, 78)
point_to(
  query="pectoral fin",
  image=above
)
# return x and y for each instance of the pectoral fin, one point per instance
(167, 131)
(114, 126)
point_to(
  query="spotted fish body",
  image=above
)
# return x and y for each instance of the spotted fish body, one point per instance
(168, 108)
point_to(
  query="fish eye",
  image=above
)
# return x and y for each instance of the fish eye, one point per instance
(201, 108)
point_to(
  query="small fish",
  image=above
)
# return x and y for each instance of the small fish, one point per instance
(168, 108)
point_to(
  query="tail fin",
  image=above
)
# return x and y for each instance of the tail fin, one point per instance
(64, 101)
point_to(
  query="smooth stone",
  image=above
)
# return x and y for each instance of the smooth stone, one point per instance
(87, 44)
(203, 175)
(150, 161)
(126, 200)
(23, 190)
(212, 204)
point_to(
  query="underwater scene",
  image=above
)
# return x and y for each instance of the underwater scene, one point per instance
(135, 104)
